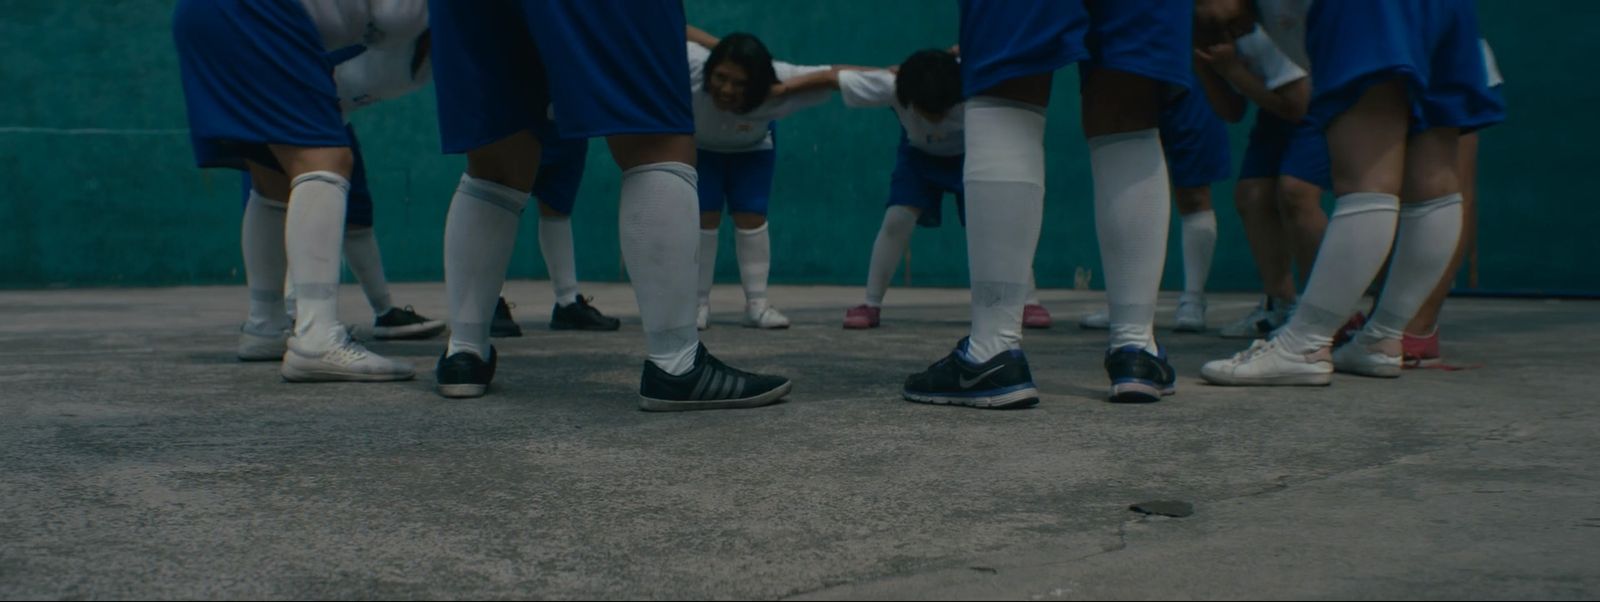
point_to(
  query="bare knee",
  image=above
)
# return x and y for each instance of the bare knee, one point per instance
(710, 220)
(548, 212)
(749, 221)
(1031, 89)
(1116, 102)
(1431, 161)
(1298, 199)
(633, 150)
(1193, 199)
(300, 160)
(512, 161)
(1252, 198)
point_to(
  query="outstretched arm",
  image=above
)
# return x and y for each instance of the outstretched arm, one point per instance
(699, 36)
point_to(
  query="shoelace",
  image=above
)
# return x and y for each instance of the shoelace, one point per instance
(1257, 349)
(346, 354)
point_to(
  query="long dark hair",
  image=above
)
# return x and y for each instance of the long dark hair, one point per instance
(930, 80)
(747, 51)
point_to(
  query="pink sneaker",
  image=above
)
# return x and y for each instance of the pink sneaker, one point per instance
(1420, 351)
(1036, 316)
(862, 316)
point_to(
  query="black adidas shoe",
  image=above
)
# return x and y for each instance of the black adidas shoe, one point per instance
(504, 326)
(1003, 382)
(579, 315)
(404, 323)
(711, 385)
(465, 374)
(1137, 376)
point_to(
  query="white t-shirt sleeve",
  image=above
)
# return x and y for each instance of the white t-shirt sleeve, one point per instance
(787, 71)
(1267, 61)
(862, 89)
(697, 64)
(1490, 65)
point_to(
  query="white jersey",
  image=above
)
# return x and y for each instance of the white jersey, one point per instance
(1285, 22)
(1265, 60)
(1491, 66)
(372, 23)
(875, 88)
(379, 74)
(729, 132)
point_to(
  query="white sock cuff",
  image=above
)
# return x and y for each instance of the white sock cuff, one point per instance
(256, 198)
(493, 193)
(682, 170)
(1415, 210)
(1008, 143)
(762, 229)
(326, 177)
(1150, 136)
(1364, 202)
(1206, 218)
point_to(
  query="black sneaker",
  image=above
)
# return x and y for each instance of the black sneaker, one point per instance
(404, 323)
(711, 385)
(1003, 382)
(1139, 377)
(579, 315)
(504, 326)
(465, 374)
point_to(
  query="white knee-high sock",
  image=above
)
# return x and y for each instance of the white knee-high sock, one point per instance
(366, 262)
(1199, 243)
(266, 263)
(1033, 290)
(659, 217)
(707, 263)
(1423, 248)
(1353, 249)
(480, 232)
(1004, 174)
(893, 238)
(314, 234)
(1132, 204)
(555, 243)
(754, 251)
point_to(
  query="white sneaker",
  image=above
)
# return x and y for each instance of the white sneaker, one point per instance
(1260, 323)
(702, 318)
(348, 361)
(1380, 360)
(1266, 363)
(1191, 315)
(1100, 320)
(260, 348)
(761, 315)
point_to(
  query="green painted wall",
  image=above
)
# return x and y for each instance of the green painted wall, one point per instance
(97, 186)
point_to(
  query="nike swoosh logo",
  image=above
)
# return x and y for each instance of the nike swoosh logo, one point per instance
(967, 384)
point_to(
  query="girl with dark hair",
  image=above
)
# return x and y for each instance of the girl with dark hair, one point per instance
(739, 91)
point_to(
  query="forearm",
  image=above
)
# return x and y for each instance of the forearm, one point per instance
(699, 36)
(1269, 100)
(1224, 101)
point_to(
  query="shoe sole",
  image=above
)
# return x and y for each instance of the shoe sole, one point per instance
(585, 327)
(261, 356)
(425, 330)
(1021, 398)
(298, 374)
(650, 404)
(760, 327)
(1139, 391)
(1374, 372)
(1297, 380)
(463, 391)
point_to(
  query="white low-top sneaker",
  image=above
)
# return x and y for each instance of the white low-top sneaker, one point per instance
(1266, 363)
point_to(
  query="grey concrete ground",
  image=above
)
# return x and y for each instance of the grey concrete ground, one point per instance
(140, 460)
